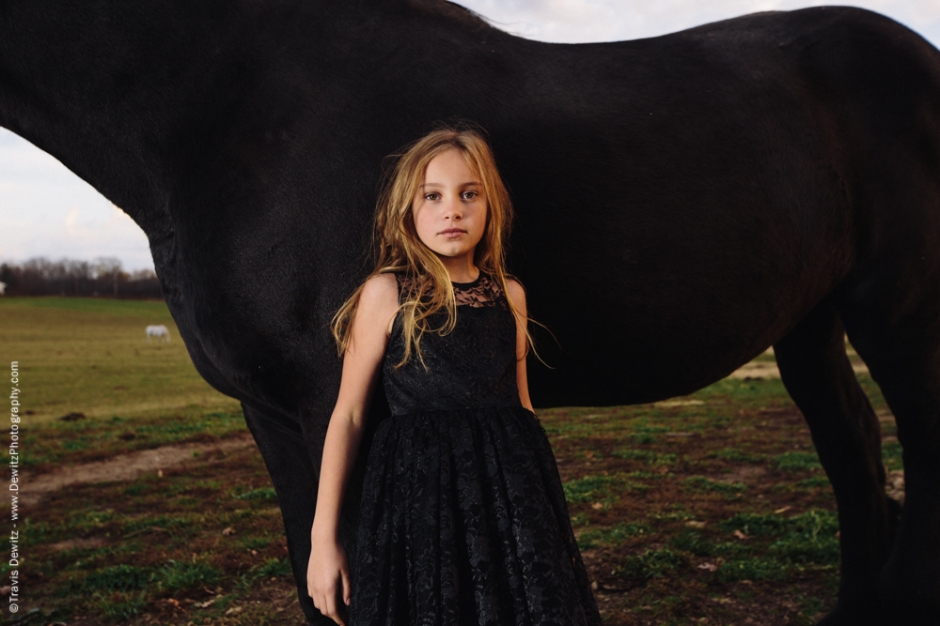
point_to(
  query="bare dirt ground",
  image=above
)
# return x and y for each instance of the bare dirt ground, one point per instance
(129, 466)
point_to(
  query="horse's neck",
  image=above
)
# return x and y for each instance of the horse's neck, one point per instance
(129, 94)
(92, 86)
(116, 89)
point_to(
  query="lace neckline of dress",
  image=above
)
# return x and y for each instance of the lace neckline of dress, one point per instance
(484, 291)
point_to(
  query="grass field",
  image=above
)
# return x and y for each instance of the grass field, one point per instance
(707, 509)
(90, 355)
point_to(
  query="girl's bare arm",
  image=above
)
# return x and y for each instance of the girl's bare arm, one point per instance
(327, 570)
(517, 295)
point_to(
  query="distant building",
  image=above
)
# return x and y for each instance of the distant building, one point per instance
(3, 288)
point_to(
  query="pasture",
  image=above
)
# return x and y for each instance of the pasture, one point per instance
(91, 355)
(706, 509)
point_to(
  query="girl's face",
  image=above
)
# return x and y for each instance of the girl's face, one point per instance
(450, 207)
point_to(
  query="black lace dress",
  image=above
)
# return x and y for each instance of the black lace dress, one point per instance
(463, 519)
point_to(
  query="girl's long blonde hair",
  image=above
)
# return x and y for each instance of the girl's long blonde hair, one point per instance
(399, 249)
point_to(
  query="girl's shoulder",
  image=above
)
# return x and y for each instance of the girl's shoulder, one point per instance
(384, 281)
(380, 291)
(515, 293)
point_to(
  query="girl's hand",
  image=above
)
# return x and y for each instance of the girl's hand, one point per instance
(328, 580)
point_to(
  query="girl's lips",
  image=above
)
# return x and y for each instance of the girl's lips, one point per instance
(452, 231)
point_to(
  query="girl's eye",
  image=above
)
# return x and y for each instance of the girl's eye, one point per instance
(470, 195)
(432, 196)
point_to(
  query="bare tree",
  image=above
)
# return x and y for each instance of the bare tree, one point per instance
(108, 267)
(72, 277)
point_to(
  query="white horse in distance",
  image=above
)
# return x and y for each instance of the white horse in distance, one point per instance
(158, 331)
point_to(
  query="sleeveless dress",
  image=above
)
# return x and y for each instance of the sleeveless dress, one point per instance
(463, 520)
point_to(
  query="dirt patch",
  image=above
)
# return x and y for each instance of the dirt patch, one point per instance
(128, 466)
(894, 486)
(744, 474)
(668, 404)
(72, 544)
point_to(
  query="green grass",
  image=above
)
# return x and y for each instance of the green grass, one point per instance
(171, 576)
(809, 537)
(131, 527)
(255, 543)
(90, 355)
(891, 455)
(147, 309)
(753, 524)
(602, 489)
(176, 575)
(114, 578)
(797, 461)
(271, 567)
(611, 536)
(770, 548)
(119, 606)
(264, 493)
(652, 564)
(816, 481)
(700, 483)
(47, 445)
(753, 569)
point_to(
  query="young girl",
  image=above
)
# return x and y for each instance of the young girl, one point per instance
(463, 519)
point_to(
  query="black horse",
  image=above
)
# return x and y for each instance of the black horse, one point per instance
(684, 202)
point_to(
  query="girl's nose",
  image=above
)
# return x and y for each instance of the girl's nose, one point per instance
(453, 210)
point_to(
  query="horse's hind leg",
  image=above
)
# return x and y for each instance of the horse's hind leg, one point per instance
(903, 355)
(819, 377)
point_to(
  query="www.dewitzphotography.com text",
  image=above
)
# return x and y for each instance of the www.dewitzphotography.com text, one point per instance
(14, 487)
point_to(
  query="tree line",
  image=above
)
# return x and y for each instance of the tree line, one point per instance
(102, 277)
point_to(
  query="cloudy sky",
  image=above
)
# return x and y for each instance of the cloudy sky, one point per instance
(45, 210)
